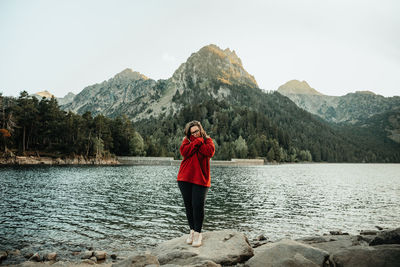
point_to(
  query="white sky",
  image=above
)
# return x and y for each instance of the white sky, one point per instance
(337, 46)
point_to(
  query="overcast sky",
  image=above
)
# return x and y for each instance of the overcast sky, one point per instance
(336, 46)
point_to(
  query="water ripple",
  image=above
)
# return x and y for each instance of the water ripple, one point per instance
(133, 207)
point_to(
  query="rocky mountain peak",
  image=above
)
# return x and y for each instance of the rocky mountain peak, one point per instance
(44, 93)
(211, 63)
(130, 75)
(297, 87)
(365, 92)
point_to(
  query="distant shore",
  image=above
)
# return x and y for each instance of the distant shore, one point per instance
(119, 160)
(170, 161)
(37, 160)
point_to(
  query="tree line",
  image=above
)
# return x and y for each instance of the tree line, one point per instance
(275, 130)
(32, 126)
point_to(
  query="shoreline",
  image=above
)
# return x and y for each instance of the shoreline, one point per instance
(142, 161)
(56, 161)
(332, 245)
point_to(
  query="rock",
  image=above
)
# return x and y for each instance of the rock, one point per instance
(377, 256)
(138, 260)
(16, 252)
(338, 233)
(28, 255)
(288, 253)
(87, 255)
(387, 237)
(257, 244)
(261, 238)
(313, 239)
(225, 247)
(369, 232)
(366, 238)
(88, 261)
(3, 255)
(51, 256)
(94, 259)
(100, 255)
(206, 263)
(337, 244)
(35, 257)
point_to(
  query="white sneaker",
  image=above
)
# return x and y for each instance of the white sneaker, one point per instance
(189, 240)
(197, 237)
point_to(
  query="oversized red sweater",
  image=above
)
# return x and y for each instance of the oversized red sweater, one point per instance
(195, 166)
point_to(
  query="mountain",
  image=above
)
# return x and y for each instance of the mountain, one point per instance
(297, 87)
(41, 94)
(139, 97)
(128, 92)
(359, 109)
(66, 99)
(212, 86)
(350, 108)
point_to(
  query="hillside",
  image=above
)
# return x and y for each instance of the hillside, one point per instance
(359, 109)
(213, 86)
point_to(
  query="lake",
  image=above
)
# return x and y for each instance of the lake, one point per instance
(125, 208)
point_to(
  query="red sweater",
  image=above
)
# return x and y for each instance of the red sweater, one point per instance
(195, 166)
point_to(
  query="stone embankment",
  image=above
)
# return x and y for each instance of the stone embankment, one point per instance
(374, 248)
(169, 161)
(35, 160)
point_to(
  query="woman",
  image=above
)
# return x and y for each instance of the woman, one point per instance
(194, 177)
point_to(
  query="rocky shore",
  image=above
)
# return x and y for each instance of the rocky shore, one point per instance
(37, 160)
(373, 248)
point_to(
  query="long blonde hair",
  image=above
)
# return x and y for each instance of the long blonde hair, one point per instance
(198, 124)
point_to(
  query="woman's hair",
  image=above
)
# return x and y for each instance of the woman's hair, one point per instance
(195, 123)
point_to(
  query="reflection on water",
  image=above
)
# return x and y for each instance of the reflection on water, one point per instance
(133, 207)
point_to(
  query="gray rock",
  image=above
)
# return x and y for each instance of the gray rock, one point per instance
(225, 247)
(313, 239)
(100, 255)
(138, 260)
(206, 263)
(338, 243)
(387, 237)
(377, 256)
(288, 253)
(87, 255)
(94, 259)
(88, 261)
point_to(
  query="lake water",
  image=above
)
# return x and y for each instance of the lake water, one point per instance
(124, 208)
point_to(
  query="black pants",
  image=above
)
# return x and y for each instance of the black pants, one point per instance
(194, 198)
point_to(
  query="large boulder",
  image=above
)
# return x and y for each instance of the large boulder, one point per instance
(138, 260)
(226, 247)
(333, 244)
(387, 237)
(362, 256)
(288, 253)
